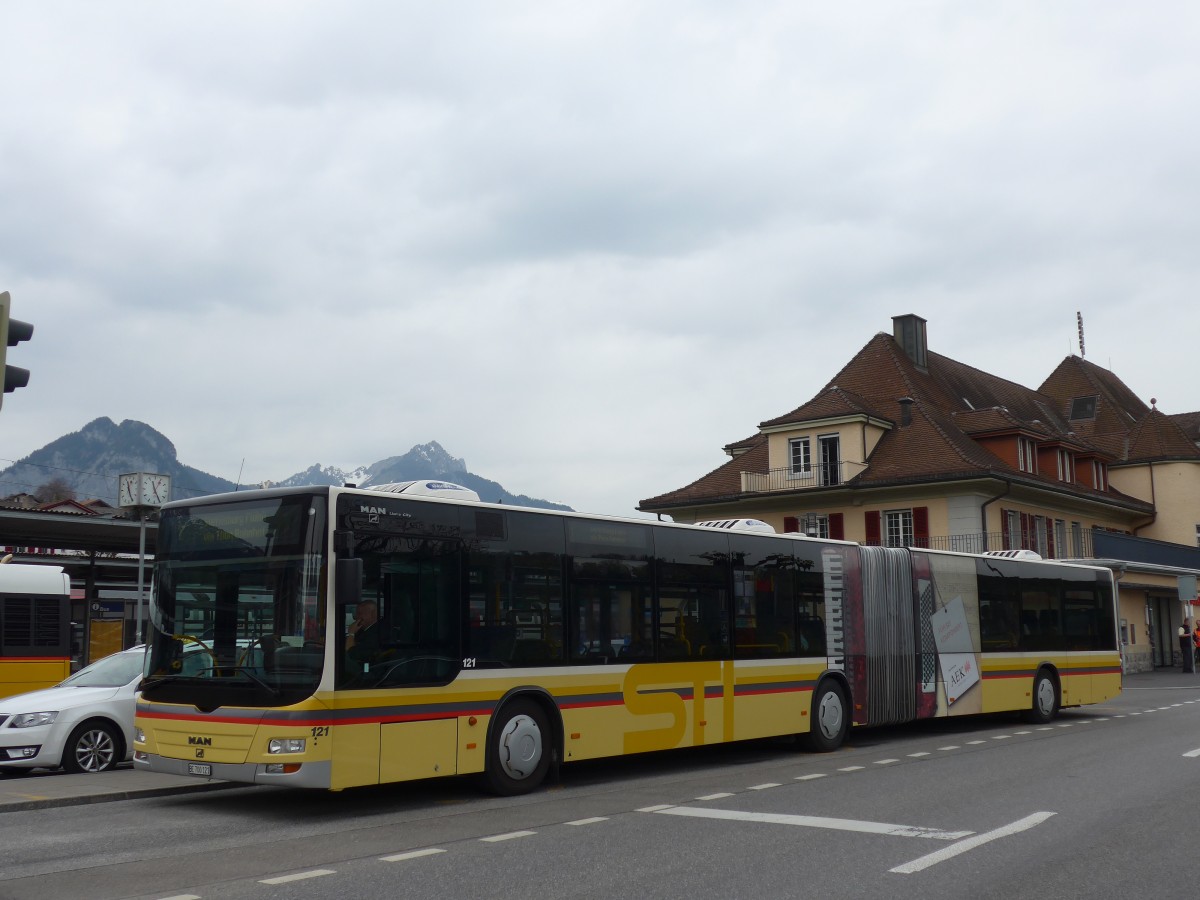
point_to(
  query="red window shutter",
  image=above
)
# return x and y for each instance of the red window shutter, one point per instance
(837, 527)
(874, 538)
(791, 524)
(920, 516)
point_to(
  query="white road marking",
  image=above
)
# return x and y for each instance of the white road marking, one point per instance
(919, 755)
(810, 777)
(299, 876)
(592, 821)
(763, 787)
(496, 838)
(951, 747)
(976, 742)
(885, 762)
(1001, 737)
(661, 806)
(412, 854)
(816, 822)
(850, 769)
(1192, 753)
(971, 843)
(720, 796)
(1022, 732)
(182, 897)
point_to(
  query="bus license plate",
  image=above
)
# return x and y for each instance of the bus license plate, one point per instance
(204, 769)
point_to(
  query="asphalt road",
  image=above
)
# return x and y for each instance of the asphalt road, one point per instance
(1099, 804)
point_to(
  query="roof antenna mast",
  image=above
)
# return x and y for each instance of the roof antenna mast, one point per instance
(1079, 319)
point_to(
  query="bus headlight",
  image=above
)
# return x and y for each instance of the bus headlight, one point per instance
(139, 736)
(31, 720)
(286, 745)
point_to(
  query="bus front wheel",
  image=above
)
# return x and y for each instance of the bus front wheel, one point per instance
(518, 749)
(1045, 699)
(830, 719)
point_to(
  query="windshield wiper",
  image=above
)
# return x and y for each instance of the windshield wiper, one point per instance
(245, 670)
(156, 680)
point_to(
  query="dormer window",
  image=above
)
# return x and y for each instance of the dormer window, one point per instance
(1099, 475)
(1082, 408)
(1027, 455)
(1066, 465)
(800, 457)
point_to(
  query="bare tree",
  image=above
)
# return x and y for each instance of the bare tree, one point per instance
(54, 490)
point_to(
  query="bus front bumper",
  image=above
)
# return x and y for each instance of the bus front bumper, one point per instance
(306, 775)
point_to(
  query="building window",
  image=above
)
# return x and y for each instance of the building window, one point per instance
(1082, 408)
(1012, 530)
(816, 525)
(1038, 536)
(830, 447)
(1099, 475)
(898, 525)
(1066, 466)
(1077, 539)
(1060, 539)
(1027, 455)
(1198, 535)
(800, 458)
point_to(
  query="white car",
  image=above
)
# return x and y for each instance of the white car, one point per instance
(84, 724)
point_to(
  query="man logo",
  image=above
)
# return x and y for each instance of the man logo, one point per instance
(199, 741)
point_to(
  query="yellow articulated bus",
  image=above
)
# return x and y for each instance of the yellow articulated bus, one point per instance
(35, 634)
(334, 637)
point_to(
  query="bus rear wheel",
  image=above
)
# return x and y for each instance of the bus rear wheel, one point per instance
(829, 720)
(518, 749)
(1045, 699)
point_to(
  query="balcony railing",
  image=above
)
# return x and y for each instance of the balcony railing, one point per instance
(1077, 547)
(798, 480)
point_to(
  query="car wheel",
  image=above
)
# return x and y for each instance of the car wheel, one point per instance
(92, 747)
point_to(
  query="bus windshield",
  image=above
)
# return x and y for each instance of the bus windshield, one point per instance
(238, 614)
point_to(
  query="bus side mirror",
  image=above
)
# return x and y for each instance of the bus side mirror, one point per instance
(348, 581)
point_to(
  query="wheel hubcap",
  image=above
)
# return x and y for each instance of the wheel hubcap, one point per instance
(520, 747)
(829, 714)
(1045, 697)
(95, 751)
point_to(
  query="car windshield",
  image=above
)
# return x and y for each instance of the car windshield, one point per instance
(112, 671)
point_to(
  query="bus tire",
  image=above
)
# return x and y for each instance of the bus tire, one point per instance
(519, 749)
(94, 746)
(1045, 698)
(829, 720)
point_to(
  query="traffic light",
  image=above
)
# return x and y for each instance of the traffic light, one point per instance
(12, 332)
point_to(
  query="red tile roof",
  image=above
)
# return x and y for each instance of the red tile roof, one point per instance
(951, 402)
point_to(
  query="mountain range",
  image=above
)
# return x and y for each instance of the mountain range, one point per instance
(89, 461)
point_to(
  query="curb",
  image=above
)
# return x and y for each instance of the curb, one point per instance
(112, 796)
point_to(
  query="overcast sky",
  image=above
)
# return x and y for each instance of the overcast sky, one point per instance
(583, 246)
